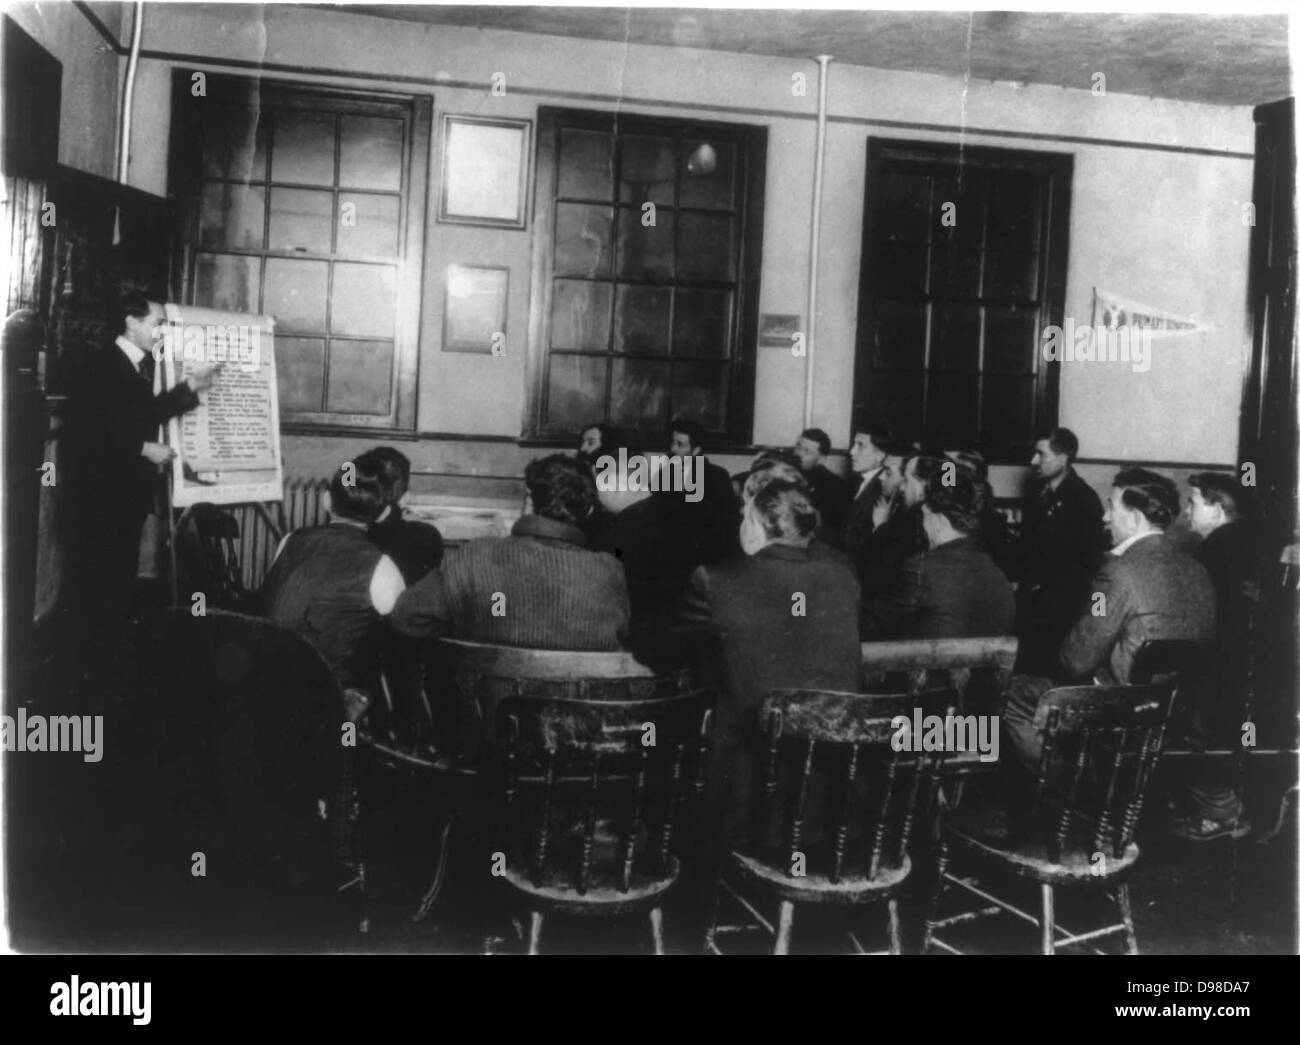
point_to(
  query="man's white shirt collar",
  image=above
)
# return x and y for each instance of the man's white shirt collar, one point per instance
(133, 352)
(1124, 546)
(866, 478)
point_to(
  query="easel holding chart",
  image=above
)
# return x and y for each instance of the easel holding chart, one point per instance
(227, 448)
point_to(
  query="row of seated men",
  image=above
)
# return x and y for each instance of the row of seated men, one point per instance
(779, 592)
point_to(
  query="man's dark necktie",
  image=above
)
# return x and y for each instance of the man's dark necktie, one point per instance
(146, 368)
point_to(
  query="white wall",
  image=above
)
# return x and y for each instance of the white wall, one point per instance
(1160, 226)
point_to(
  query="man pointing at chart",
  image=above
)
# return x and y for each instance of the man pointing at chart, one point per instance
(109, 463)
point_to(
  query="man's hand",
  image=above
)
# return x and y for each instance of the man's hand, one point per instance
(201, 377)
(157, 453)
(880, 511)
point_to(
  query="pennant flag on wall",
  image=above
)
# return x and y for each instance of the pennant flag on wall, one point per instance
(1113, 311)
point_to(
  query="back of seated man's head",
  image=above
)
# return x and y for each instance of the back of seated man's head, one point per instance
(950, 508)
(560, 488)
(1137, 492)
(357, 491)
(972, 462)
(623, 475)
(812, 445)
(780, 513)
(768, 470)
(920, 473)
(1216, 500)
(394, 469)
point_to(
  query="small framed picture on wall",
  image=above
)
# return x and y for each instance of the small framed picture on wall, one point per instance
(484, 171)
(474, 309)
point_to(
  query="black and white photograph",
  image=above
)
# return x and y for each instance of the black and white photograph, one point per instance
(648, 480)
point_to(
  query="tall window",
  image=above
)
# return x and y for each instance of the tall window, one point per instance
(646, 273)
(301, 203)
(964, 253)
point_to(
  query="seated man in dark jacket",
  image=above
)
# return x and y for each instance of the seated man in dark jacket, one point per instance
(1146, 589)
(539, 588)
(952, 591)
(331, 585)
(783, 615)
(416, 547)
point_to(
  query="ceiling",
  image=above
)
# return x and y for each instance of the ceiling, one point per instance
(1218, 59)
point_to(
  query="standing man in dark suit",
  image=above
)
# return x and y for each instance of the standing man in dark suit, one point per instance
(1147, 589)
(1061, 542)
(830, 493)
(716, 514)
(109, 463)
(952, 591)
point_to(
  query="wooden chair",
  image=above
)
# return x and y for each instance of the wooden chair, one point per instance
(592, 790)
(219, 572)
(1100, 747)
(257, 715)
(438, 735)
(978, 669)
(871, 799)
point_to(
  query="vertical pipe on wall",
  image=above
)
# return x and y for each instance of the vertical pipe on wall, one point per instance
(823, 61)
(124, 117)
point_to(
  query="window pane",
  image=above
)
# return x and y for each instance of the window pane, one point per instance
(647, 170)
(901, 272)
(363, 300)
(1008, 413)
(1013, 212)
(580, 315)
(234, 143)
(301, 220)
(645, 251)
(706, 248)
(895, 397)
(295, 293)
(361, 377)
(708, 172)
(1010, 346)
(369, 226)
(956, 272)
(303, 150)
(300, 372)
(1010, 274)
(232, 216)
(576, 390)
(904, 207)
(900, 334)
(699, 391)
(702, 322)
(950, 409)
(370, 153)
(967, 219)
(956, 338)
(583, 238)
(641, 324)
(640, 392)
(226, 281)
(586, 165)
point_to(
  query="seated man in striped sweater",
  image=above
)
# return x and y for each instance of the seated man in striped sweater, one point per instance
(539, 588)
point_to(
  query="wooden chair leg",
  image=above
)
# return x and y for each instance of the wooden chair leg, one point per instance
(534, 932)
(1048, 924)
(1126, 915)
(936, 896)
(657, 928)
(785, 925)
(895, 930)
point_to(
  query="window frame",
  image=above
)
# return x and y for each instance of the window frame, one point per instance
(185, 187)
(1055, 169)
(751, 152)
